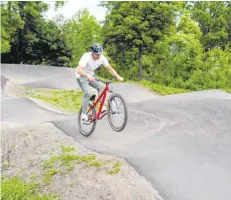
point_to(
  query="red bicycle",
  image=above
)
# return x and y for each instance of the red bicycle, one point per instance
(116, 112)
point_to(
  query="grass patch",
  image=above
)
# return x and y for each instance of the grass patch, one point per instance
(50, 162)
(115, 169)
(70, 184)
(67, 149)
(66, 100)
(227, 90)
(14, 188)
(5, 164)
(96, 164)
(66, 159)
(49, 174)
(165, 90)
(161, 89)
(33, 176)
(65, 162)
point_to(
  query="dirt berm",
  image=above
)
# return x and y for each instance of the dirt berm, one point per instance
(25, 149)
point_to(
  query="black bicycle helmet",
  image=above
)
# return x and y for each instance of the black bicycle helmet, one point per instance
(97, 48)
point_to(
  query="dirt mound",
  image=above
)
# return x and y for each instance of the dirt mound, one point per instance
(25, 150)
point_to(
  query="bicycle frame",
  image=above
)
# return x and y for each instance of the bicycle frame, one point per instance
(102, 95)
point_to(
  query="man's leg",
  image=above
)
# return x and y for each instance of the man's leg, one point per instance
(84, 86)
(99, 87)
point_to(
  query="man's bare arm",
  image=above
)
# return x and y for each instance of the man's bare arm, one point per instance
(79, 70)
(113, 73)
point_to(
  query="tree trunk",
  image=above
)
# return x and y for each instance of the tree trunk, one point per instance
(140, 63)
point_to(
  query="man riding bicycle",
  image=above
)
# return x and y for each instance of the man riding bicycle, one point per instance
(85, 76)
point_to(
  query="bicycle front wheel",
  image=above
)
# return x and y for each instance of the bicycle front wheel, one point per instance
(117, 112)
(86, 128)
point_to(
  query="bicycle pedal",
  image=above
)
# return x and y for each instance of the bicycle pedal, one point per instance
(104, 111)
(86, 122)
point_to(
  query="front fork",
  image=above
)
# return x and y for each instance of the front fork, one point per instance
(109, 93)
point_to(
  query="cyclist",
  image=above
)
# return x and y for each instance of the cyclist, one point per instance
(85, 76)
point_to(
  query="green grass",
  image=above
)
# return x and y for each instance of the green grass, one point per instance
(49, 163)
(164, 90)
(65, 162)
(49, 174)
(67, 149)
(5, 164)
(66, 100)
(71, 100)
(227, 90)
(160, 89)
(95, 163)
(33, 176)
(115, 169)
(15, 189)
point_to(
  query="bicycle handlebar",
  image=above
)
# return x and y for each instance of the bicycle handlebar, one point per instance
(107, 82)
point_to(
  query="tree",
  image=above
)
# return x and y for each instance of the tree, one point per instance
(80, 32)
(214, 21)
(10, 22)
(51, 46)
(26, 38)
(175, 57)
(132, 28)
(37, 41)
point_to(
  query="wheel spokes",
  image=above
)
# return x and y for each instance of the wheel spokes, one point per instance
(117, 112)
(86, 127)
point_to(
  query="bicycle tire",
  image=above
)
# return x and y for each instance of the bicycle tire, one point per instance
(86, 134)
(109, 114)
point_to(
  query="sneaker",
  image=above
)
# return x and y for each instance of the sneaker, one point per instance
(104, 109)
(84, 117)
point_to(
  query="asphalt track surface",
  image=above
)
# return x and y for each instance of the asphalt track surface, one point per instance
(180, 143)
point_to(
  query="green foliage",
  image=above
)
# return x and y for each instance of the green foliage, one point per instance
(189, 26)
(217, 68)
(132, 28)
(59, 4)
(53, 48)
(161, 89)
(10, 22)
(80, 32)
(175, 44)
(176, 58)
(15, 188)
(32, 39)
(214, 21)
(179, 60)
(227, 90)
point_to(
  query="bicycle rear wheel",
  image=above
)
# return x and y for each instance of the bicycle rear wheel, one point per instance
(87, 128)
(117, 112)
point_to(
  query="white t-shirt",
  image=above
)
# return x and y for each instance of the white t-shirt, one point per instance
(90, 64)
